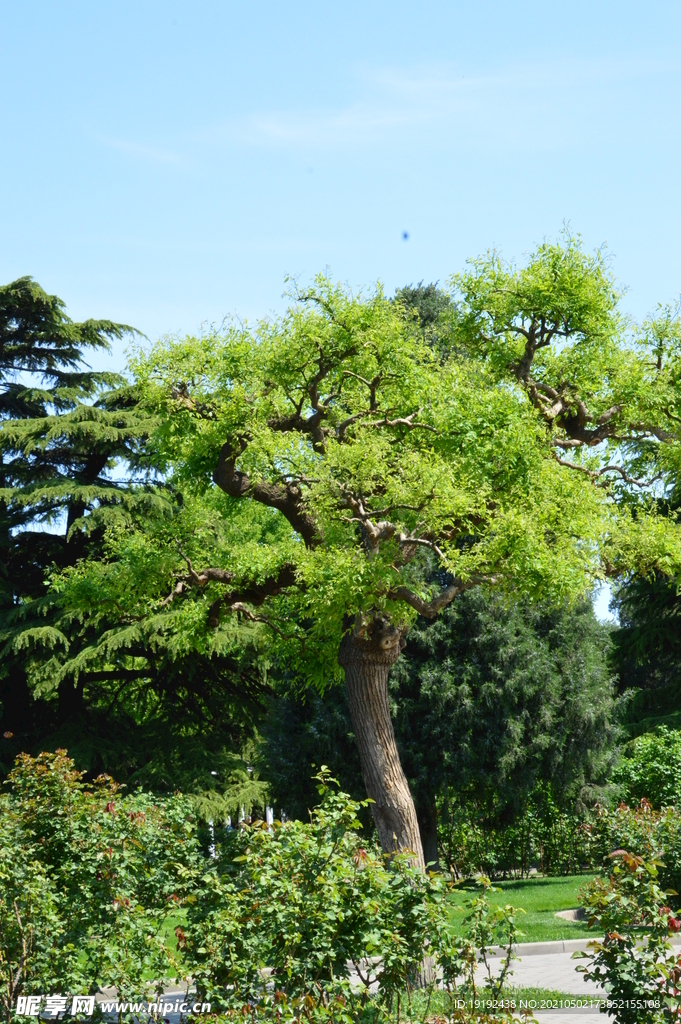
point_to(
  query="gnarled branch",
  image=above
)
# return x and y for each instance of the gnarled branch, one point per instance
(403, 421)
(254, 593)
(429, 609)
(286, 498)
(595, 474)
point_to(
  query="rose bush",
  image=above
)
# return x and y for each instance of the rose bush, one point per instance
(88, 879)
(634, 959)
(308, 921)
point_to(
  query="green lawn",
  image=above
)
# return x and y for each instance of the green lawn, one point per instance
(540, 898)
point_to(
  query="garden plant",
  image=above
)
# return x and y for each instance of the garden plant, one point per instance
(88, 877)
(634, 959)
(310, 921)
(294, 921)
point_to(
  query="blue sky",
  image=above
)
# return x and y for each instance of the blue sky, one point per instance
(167, 164)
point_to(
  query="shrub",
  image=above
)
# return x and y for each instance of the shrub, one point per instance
(32, 948)
(652, 769)
(301, 922)
(647, 833)
(286, 911)
(634, 960)
(87, 879)
(543, 836)
(308, 921)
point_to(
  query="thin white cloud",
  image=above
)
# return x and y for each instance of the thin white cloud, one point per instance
(546, 102)
(150, 154)
(394, 99)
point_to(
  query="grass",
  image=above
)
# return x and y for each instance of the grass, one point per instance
(540, 898)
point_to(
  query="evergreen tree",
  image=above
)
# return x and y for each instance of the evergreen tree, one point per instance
(300, 733)
(496, 697)
(647, 652)
(73, 455)
(488, 701)
(56, 445)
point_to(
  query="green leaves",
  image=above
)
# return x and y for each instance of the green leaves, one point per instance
(316, 909)
(349, 451)
(605, 391)
(634, 959)
(341, 464)
(87, 879)
(651, 769)
(562, 292)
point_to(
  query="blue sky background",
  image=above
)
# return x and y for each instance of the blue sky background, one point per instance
(166, 164)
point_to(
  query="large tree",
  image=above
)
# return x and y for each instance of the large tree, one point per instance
(323, 455)
(57, 442)
(72, 451)
(490, 700)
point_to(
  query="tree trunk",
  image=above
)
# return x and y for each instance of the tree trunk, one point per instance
(426, 814)
(70, 700)
(366, 656)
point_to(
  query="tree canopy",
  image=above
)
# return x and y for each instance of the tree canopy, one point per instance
(605, 389)
(342, 450)
(332, 472)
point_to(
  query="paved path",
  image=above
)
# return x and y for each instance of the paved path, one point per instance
(550, 970)
(550, 965)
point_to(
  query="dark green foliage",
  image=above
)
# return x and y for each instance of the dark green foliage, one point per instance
(36, 336)
(647, 652)
(299, 734)
(544, 837)
(64, 429)
(430, 303)
(651, 769)
(73, 469)
(504, 716)
(494, 697)
(433, 308)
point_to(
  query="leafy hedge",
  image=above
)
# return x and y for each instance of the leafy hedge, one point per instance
(544, 836)
(87, 879)
(294, 922)
(652, 769)
(644, 832)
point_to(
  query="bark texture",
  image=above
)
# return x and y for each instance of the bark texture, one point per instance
(366, 656)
